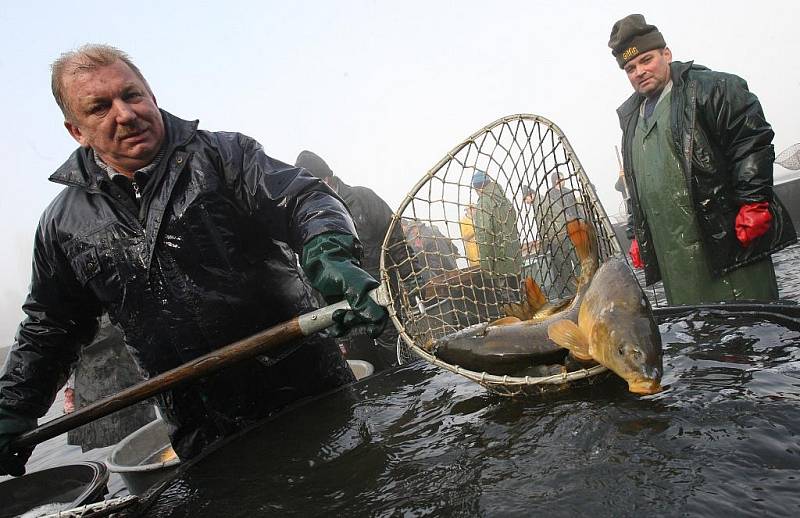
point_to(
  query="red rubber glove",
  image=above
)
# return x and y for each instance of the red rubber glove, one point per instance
(752, 222)
(636, 259)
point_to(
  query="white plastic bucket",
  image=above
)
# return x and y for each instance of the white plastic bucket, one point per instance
(137, 457)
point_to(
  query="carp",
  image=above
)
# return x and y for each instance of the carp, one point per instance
(520, 339)
(609, 321)
(615, 328)
(499, 349)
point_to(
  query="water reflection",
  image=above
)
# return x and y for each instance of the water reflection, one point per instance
(419, 441)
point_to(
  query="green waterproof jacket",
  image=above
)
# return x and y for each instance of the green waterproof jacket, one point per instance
(496, 232)
(725, 145)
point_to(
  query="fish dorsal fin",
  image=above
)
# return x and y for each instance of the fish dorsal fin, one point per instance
(584, 237)
(568, 335)
(532, 300)
(519, 311)
(534, 294)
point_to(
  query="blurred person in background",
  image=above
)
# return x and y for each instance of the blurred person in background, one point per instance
(495, 224)
(467, 226)
(557, 219)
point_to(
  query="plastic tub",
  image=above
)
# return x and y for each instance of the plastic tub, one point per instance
(144, 458)
(52, 490)
(361, 368)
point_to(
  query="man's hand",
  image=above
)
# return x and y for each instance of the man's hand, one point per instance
(365, 313)
(12, 462)
(636, 258)
(752, 222)
(330, 262)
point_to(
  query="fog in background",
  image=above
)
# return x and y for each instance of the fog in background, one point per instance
(380, 90)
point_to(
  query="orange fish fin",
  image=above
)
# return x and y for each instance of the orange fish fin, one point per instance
(534, 294)
(583, 236)
(505, 321)
(578, 233)
(568, 335)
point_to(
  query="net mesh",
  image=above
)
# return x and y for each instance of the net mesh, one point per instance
(502, 206)
(789, 157)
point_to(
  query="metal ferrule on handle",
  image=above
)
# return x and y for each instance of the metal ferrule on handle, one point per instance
(323, 318)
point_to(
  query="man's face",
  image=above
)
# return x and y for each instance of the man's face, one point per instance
(649, 72)
(114, 114)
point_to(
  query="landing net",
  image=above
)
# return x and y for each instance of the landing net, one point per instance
(500, 207)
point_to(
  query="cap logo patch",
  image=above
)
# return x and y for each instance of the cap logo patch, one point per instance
(631, 52)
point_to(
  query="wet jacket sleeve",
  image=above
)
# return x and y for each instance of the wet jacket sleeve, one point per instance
(292, 205)
(734, 114)
(61, 315)
(331, 263)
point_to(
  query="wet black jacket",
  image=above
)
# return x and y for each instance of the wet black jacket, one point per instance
(725, 146)
(208, 259)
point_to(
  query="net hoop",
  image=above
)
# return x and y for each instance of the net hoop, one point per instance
(516, 152)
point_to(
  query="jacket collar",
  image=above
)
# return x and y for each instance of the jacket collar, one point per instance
(679, 70)
(80, 170)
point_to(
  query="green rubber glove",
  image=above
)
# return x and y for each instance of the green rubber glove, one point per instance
(12, 462)
(330, 261)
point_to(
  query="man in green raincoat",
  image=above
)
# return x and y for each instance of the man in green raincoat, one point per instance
(495, 224)
(697, 154)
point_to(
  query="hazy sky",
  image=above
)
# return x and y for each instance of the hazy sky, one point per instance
(381, 90)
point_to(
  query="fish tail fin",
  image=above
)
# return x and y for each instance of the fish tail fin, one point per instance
(584, 237)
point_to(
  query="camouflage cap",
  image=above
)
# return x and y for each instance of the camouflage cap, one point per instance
(632, 36)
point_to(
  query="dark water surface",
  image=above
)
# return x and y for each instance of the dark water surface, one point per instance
(787, 271)
(724, 438)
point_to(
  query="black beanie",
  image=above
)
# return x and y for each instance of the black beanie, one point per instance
(632, 36)
(314, 164)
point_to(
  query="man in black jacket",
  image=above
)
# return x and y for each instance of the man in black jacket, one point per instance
(698, 156)
(372, 217)
(187, 238)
